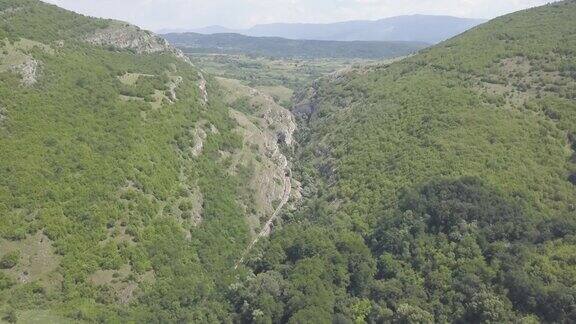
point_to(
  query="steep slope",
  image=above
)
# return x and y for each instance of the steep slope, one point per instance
(439, 188)
(415, 28)
(286, 48)
(474, 96)
(116, 204)
(266, 129)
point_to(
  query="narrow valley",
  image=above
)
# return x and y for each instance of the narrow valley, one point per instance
(409, 169)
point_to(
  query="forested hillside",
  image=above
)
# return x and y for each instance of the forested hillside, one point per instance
(116, 203)
(447, 188)
(277, 47)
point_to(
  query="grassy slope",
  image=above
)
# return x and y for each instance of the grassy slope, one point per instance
(70, 150)
(434, 115)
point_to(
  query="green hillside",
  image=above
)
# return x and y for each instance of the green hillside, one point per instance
(103, 204)
(439, 188)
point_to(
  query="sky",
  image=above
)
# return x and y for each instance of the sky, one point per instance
(188, 14)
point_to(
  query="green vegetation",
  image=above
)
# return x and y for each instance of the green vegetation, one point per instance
(10, 316)
(279, 78)
(275, 47)
(9, 260)
(93, 179)
(260, 71)
(436, 188)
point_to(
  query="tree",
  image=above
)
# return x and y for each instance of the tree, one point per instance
(487, 307)
(406, 313)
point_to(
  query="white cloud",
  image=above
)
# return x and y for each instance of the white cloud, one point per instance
(158, 14)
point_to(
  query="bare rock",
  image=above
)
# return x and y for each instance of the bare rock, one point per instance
(203, 89)
(172, 86)
(125, 36)
(28, 70)
(199, 137)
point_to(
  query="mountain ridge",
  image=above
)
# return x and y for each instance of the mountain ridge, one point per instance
(420, 28)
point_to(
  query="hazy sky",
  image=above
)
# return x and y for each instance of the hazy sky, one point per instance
(159, 14)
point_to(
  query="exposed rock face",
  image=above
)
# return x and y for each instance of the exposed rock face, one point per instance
(281, 119)
(16, 57)
(203, 89)
(269, 128)
(172, 86)
(199, 137)
(125, 36)
(266, 129)
(28, 70)
(306, 103)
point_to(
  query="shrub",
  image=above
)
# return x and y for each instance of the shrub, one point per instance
(5, 281)
(10, 260)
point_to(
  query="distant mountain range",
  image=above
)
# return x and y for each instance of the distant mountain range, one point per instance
(290, 48)
(414, 28)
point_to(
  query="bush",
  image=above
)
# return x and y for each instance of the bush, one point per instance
(5, 281)
(10, 316)
(9, 260)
